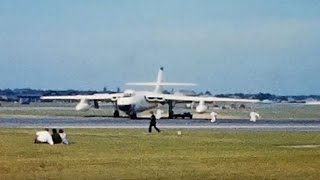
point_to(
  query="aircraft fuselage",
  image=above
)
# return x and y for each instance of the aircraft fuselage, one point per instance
(135, 103)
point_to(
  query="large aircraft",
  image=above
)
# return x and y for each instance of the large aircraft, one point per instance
(132, 102)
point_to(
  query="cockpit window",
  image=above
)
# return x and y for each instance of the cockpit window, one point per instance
(128, 93)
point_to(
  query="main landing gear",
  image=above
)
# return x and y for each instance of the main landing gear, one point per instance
(171, 113)
(116, 113)
(133, 115)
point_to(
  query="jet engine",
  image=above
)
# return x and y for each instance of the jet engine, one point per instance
(201, 108)
(155, 99)
(83, 105)
(114, 98)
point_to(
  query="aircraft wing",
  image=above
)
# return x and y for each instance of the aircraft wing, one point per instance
(99, 97)
(312, 103)
(183, 98)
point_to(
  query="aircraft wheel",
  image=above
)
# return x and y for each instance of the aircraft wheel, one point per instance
(171, 115)
(133, 116)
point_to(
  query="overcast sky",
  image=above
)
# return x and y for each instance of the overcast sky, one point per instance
(226, 46)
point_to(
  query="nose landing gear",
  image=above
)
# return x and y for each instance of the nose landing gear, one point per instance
(133, 115)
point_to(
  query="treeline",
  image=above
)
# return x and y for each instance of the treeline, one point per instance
(272, 97)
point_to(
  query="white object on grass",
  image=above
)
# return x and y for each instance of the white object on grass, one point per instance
(254, 116)
(213, 116)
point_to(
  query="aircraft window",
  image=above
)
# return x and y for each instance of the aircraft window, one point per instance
(129, 93)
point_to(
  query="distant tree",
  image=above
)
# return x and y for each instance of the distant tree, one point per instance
(240, 95)
(208, 93)
(7, 92)
(283, 98)
(264, 96)
(50, 93)
(221, 95)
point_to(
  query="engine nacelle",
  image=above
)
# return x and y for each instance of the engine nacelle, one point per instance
(190, 105)
(155, 99)
(83, 105)
(201, 108)
(114, 98)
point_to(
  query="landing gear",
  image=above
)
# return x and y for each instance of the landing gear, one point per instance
(116, 114)
(171, 113)
(96, 104)
(133, 115)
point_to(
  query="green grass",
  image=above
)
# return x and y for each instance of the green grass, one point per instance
(135, 154)
(53, 112)
(275, 112)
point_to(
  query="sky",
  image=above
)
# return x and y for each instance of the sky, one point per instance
(245, 46)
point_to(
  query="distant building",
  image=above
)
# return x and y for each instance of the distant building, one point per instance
(28, 98)
(9, 98)
(186, 92)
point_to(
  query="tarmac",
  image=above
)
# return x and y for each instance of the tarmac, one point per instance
(124, 123)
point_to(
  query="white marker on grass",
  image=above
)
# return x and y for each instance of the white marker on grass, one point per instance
(213, 116)
(254, 116)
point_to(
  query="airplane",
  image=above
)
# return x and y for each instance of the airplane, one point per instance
(132, 102)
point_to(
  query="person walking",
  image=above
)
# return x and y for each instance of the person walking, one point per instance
(153, 123)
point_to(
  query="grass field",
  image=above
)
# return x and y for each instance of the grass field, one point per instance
(135, 154)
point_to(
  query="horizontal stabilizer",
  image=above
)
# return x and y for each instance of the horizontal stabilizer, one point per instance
(159, 84)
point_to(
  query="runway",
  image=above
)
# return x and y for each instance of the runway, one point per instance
(108, 122)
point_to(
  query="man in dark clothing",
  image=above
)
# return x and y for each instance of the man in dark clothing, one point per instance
(56, 137)
(153, 123)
